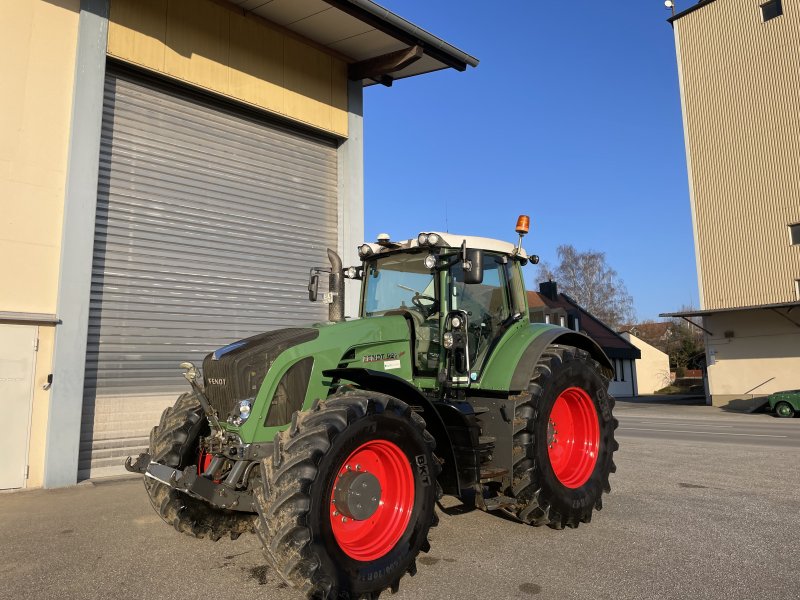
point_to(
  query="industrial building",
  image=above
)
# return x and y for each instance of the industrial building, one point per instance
(739, 83)
(169, 172)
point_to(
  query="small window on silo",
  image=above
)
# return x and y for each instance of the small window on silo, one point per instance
(794, 234)
(770, 10)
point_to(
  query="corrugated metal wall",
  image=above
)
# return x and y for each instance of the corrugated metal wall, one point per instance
(741, 96)
(208, 221)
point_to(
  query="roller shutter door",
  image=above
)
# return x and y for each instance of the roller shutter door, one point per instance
(208, 220)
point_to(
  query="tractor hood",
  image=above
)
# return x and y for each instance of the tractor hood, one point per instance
(235, 372)
(278, 364)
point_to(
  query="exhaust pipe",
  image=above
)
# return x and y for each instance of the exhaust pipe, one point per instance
(336, 288)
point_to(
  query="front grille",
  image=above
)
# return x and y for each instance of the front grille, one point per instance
(236, 372)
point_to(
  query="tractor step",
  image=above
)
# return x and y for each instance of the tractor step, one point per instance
(486, 442)
(492, 473)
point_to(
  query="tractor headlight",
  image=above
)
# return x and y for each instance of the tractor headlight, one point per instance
(422, 239)
(244, 413)
(244, 409)
(455, 322)
(433, 239)
(447, 340)
(364, 250)
(430, 261)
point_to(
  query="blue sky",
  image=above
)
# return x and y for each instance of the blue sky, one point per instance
(573, 117)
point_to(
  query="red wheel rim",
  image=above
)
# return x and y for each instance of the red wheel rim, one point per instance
(204, 459)
(573, 437)
(375, 536)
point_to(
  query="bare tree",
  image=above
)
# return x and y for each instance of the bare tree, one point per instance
(687, 341)
(592, 283)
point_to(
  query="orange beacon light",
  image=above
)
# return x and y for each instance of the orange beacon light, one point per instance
(523, 224)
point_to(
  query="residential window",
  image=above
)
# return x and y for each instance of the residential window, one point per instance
(770, 10)
(622, 370)
(577, 324)
(547, 319)
(794, 234)
(562, 321)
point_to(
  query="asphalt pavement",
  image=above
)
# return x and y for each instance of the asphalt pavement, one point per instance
(704, 505)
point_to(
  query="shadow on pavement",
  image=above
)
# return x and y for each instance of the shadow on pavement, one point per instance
(746, 405)
(666, 400)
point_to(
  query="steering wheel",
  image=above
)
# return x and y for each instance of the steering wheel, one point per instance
(426, 310)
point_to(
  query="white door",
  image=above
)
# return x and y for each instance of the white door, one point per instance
(17, 355)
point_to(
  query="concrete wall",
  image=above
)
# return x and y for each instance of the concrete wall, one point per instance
(652, 370)
(752, 353)
(37, 61)
(237, 54)
(740, 91)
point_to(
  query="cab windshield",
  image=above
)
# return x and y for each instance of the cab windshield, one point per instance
(400, 281)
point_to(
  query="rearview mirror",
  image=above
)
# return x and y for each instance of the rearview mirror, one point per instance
(473, 266)
(313, 285)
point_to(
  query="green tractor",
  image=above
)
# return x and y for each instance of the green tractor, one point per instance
(335, 441)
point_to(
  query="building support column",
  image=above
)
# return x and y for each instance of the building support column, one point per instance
(351, 192)
(77, 241)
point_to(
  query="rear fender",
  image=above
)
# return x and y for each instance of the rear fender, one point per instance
(523, 372)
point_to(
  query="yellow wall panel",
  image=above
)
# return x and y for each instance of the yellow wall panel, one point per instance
(256, 61)
(308, 89)
(339, 96)
(37, 59)
(198, 40)
(227, 52)
(137, 31)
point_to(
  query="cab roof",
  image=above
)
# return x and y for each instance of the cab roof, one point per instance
(453, 240)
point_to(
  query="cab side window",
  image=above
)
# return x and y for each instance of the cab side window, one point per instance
(486, 304)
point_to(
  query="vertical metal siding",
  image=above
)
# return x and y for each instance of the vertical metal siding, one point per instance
(208, 220)
(741, 95)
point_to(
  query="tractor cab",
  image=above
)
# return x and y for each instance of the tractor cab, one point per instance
(460, 295)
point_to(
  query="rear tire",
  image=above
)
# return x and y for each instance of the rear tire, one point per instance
(784, 410)
(174, 443)
(562, 485)
(306, 540)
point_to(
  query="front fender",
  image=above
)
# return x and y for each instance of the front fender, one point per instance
(438, 417)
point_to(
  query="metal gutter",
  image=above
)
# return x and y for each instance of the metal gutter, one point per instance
(691, 9)
(405, 31)
(28, 317)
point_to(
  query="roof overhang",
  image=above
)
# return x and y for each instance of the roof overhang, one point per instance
(714, 311)
(378, 45)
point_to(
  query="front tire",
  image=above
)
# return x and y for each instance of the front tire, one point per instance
(174, 443)
(567, 445)
(319, 535)
(784, 410)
